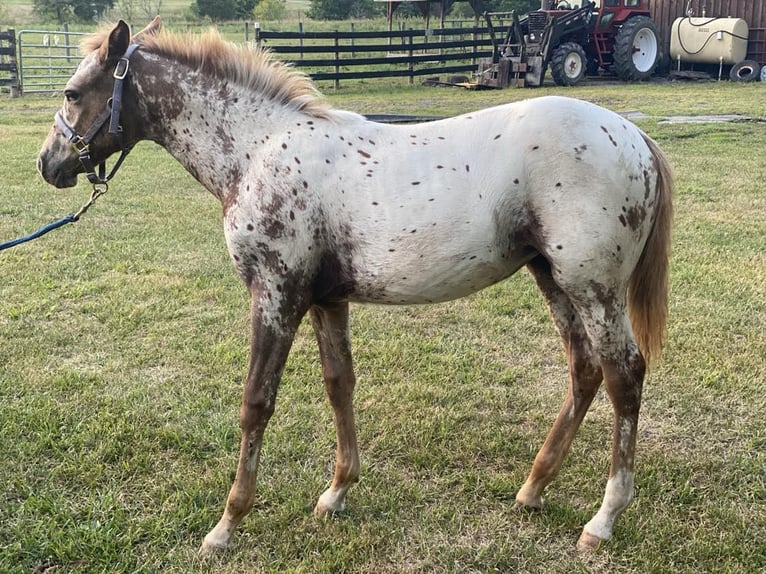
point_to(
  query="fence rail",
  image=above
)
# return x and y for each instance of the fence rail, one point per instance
(48, 58)
(380, 54)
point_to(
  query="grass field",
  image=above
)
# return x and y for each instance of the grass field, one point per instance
(123, 347)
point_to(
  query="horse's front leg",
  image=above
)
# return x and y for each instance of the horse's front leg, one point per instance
(331, 327)
(271, 337)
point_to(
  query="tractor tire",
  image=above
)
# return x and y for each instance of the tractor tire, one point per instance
(636, 49)
(568, 64)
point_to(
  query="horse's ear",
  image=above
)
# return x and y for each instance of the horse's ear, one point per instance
(116, 44)
(152, 29)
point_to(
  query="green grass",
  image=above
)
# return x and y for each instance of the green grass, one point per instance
(123, 346)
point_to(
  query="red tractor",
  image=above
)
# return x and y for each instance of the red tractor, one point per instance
(614, 35)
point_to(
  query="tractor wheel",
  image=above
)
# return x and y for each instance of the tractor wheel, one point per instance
(636, 49)
(568, 64)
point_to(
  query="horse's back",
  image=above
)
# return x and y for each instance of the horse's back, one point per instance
(471, 199)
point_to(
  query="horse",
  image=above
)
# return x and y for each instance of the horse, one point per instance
(322, 207)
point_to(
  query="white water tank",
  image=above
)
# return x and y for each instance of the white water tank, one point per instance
(709, 40)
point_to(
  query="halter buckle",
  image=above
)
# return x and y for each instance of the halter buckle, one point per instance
(81, 145)
(121, 70)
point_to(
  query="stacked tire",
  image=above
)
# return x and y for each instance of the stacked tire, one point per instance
(745, 71)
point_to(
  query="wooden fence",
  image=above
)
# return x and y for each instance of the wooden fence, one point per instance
(340, 56)
(8, 66)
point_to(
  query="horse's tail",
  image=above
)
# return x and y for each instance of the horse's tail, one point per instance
(648, 285)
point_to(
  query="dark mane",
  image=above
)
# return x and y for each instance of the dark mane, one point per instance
(211, 54)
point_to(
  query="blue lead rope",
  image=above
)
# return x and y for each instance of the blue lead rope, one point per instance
(42, 231)
(98, 191)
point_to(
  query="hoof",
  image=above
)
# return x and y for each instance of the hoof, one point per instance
(211, 546)
(328, 504)
(321, 510)
(524, 507)
(588, 542)
(528, 502)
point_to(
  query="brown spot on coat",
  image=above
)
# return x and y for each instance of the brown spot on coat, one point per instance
(273, 228)
(607, 299)
(636, 216)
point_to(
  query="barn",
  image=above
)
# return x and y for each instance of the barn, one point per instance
(664, 12)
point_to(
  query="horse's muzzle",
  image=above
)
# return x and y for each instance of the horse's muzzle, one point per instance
(59, 174)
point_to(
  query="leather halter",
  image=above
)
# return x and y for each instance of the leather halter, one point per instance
(111, 113)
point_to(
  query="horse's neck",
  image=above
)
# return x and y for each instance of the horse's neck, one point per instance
(211, 126)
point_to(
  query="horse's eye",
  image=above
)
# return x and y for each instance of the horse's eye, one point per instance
(71, 96)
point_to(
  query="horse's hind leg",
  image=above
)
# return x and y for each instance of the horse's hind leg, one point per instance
(331, 326)
(584, 379)
(600, 344)
(624, 369)
(602, 309)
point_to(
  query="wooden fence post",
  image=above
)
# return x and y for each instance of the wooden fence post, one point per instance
(11, 65)
(300, 40)
(410, 53)
(337, 57)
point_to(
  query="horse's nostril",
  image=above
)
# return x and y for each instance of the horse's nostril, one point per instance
(40, 164)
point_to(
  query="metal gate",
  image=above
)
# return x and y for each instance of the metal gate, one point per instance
(47, 59)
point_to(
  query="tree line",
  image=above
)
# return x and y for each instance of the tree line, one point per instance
(64, 11)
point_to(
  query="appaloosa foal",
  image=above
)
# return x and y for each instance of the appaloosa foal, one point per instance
(322, 207)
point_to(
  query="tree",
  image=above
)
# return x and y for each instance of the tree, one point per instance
(224, 9)
(330, 9)
(214, 9)
(127, 10)
(343, 9)
(519, 6)
(270, 9)
(67, 10)
(244, 8)
(150, 8)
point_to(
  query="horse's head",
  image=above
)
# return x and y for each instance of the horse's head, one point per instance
(90, 126)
